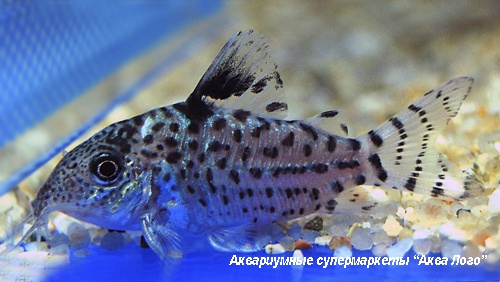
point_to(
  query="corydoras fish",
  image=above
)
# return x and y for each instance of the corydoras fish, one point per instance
(224, 164)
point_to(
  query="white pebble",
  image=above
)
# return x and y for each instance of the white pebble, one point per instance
(59, 239)
(379, 250)
(472, 250)
(421, 234)
(323, 240)
(300, 255)
(361, 239)
(79, 236)
(342, 252)
(36, 246)
(450, 230)
(81, 253)
(274, 249)
(451, 248)
(493, 206)
(61, 249)
(392, 226)
(112, 241)
(422, 246)
(382, 237)
(400, 248)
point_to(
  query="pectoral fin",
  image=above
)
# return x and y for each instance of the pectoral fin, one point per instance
(238, 239)
(160, 236)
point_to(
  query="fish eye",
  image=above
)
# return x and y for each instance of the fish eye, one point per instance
(106, 167)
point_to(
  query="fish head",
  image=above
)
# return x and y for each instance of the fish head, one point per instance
(100, 181)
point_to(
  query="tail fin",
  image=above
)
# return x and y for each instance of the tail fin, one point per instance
(402, 149)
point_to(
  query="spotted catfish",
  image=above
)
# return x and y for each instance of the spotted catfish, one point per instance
(224, 164)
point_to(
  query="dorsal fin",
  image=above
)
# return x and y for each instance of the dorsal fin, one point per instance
(243, 76)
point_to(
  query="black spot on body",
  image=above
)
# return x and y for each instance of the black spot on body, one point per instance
(221, 164)
(193, 145)
(331, 144)
(241, 115)
(174, 127)
(246, 154)
(201, 158)
(194, 109)
(193, 128)
(288, 141)
(158, 126)
(307, 150)
(355, 144)
(183, 174)
(237, 135)
(277, 171)
(235, 176)
(219, 124)
(122, 137)
(190, 189)
(270, 152)
(202, 202)
(319, 168)
(148, 139)
(256, 172)
(289, 193)
(138, 120)
(225, 200)
(269, 192)
(250, 193)
(375, 138)
(348, 164)
(166, 112)
(330, 205)
(377, 164)
(256, 132)
(171, 142)
(174, 157)
(310, 130)
(209, 175)
(212, 187)
(214, 146)
(360, 179)
(315, 193)
(148, 154)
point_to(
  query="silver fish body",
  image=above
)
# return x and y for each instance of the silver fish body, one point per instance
(224, 165)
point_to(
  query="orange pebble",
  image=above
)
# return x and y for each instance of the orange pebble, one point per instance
(302, 245)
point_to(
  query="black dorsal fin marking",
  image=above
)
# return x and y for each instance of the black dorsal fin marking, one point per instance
(243, 76)
(331, 121)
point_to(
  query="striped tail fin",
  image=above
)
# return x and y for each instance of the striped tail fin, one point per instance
(403, 153)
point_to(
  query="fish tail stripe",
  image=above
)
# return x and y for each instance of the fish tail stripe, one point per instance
(402, 149)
